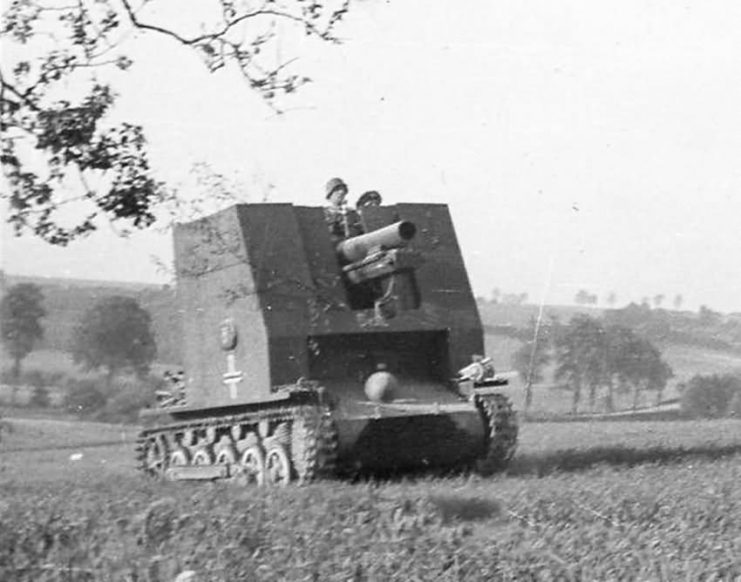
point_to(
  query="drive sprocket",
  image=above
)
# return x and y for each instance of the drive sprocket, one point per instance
(501, 436)
(314, 445)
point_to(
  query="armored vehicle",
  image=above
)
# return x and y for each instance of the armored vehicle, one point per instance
(318, 343)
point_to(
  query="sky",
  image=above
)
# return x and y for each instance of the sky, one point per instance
(580, 144)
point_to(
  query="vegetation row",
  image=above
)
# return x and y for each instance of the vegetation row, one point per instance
(598, 361)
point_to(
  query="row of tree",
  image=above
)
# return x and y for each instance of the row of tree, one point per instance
(592, 359)
(498, 296)
(114, 335)
(584, 297)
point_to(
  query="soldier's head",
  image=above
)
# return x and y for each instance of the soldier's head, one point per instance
(336, 192)
(370, 198)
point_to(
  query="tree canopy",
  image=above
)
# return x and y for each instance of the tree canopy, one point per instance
(115, 334)
(21, 310)
(600, 358)
(59, 146)
(710, 396)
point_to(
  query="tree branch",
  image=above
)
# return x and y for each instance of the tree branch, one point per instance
(22, 96)
(225, 29)
(41, 126)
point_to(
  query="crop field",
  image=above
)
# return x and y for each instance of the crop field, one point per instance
(582, 501)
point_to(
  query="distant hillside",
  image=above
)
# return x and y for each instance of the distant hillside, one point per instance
(704, 341)
(500, 317)
(705, 329)
(7, 280)
(65, 301)
(692, 343)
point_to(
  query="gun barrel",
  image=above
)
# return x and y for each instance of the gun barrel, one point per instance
(392, 236)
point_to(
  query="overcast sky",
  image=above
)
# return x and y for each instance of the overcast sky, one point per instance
(580, 144)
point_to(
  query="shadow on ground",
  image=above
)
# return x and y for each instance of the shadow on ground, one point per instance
(452, 508)
(579, 460)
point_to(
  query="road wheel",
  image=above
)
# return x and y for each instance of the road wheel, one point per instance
(277, 466)
(226, 454)
(252, 466)
(179, 457)
(203, 456)
(155, 456)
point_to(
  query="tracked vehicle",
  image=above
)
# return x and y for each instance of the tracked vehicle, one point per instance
(313, 352)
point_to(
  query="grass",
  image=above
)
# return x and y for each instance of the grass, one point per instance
(57, 369)
(37, 433)
(50, 362)
(54, 451)
(582, 501)
(687, 361)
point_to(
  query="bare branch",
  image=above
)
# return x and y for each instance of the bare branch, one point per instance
(15, 91)
(228, 25)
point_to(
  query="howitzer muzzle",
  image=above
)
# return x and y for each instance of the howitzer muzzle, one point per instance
(389, 237)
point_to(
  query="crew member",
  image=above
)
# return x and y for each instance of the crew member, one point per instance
(370, 198)
(336, 209)
(336, 193)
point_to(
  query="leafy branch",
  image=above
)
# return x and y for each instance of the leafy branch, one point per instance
(54, 110)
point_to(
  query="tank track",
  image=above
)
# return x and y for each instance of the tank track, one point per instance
(501, 438)
(305, 433)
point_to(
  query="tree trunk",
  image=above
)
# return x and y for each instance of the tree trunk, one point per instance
(609, 401)
(576, 397)
(592, 397)
(17, 368)
(636, 394)
(16, 372)
(659, 394)
(109, 380)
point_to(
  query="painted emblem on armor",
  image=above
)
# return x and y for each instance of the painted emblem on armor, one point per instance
(232, 376)
(228, 334)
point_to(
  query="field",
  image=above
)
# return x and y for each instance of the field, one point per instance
(685, 361)
(582, 501)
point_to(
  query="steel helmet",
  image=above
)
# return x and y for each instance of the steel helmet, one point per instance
(333, 184)
(369, 198)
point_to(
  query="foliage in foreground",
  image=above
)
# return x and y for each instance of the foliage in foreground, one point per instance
(668, 510)
(60, 147)
(646, 523)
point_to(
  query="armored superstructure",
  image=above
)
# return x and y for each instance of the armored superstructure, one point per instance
(308, 353)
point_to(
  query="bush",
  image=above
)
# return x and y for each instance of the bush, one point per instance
(709, 396)
(40, 397)
(126, 397)
(84, 396)
(39, 383)
(119, 401)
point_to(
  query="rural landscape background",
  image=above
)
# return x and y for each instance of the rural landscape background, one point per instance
(650, 495)
(588, 154)
(703, 343)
